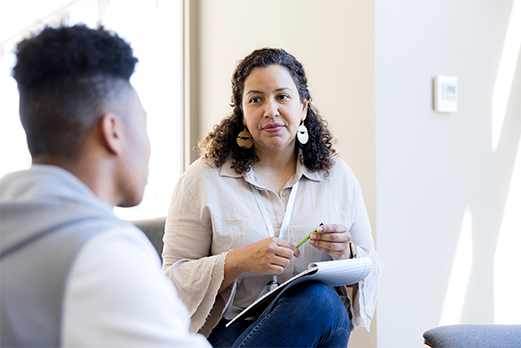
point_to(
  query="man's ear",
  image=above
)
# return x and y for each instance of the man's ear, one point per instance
(111, 129)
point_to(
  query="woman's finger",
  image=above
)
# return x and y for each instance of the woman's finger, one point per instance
(332, 228)
(332, 237)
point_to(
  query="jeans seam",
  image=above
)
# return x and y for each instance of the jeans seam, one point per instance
(332, 334)
(246, 339)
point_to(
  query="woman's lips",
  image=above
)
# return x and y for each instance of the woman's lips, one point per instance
(273, 128)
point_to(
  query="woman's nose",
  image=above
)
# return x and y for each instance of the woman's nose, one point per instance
(271, 109)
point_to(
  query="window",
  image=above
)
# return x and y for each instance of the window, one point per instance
(153, 27)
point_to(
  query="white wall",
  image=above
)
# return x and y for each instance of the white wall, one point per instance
(334, 39)
(448, 200)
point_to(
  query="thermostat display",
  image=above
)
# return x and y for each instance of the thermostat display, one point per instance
(446, 94)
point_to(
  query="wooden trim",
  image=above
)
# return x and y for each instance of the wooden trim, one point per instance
(191, 65)
(429, 343)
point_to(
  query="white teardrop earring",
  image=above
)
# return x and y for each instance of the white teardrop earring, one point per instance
(302, 133)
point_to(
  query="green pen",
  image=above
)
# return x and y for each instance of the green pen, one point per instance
(307, 237)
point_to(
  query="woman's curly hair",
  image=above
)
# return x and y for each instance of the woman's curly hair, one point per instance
(221, 142)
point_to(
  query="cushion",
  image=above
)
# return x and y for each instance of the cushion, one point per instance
(154, 230)
(475, 336)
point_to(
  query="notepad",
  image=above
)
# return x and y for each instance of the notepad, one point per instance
(332, 273)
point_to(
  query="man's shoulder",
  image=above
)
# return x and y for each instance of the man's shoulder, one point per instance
(125, 237)
(118, 273)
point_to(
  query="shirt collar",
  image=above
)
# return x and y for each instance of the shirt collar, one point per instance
(227, 171)
(302, 170)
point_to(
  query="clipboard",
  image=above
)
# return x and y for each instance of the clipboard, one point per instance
(332, 273)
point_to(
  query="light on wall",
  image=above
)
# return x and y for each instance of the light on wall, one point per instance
(460, 275)
(505, 74)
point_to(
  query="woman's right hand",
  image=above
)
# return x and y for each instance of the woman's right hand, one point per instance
(270, 255)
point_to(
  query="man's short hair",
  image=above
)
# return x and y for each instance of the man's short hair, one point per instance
(68, 78)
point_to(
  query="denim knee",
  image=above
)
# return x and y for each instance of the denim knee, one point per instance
(309, 314)
(319, 302)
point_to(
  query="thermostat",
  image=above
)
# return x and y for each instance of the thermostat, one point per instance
(446, 93)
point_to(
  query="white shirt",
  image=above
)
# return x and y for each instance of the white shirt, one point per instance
(117, 296)
(115, 292)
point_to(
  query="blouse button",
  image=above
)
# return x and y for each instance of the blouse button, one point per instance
(284, 193)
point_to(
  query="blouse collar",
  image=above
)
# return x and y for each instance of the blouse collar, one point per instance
(226, 170)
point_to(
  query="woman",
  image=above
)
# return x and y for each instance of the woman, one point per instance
(230, 225)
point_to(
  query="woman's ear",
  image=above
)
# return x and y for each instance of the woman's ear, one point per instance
(111, 129)
(305, 104)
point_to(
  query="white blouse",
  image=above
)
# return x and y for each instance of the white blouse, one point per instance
(213, 211)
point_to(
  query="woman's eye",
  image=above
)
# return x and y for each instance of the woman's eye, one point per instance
(254, 100)
(283, 96)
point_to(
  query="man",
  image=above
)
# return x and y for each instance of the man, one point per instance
(72, 273)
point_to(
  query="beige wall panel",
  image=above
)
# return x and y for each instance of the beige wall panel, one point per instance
(334, 39)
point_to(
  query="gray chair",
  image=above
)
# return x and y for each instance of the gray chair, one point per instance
(154, 230)
(474, 336)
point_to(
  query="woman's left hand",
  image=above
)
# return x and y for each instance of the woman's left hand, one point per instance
(333, 240)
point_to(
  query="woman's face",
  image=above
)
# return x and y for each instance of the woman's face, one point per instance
(272, 108)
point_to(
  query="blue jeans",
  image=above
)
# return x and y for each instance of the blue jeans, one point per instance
(309, 314)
